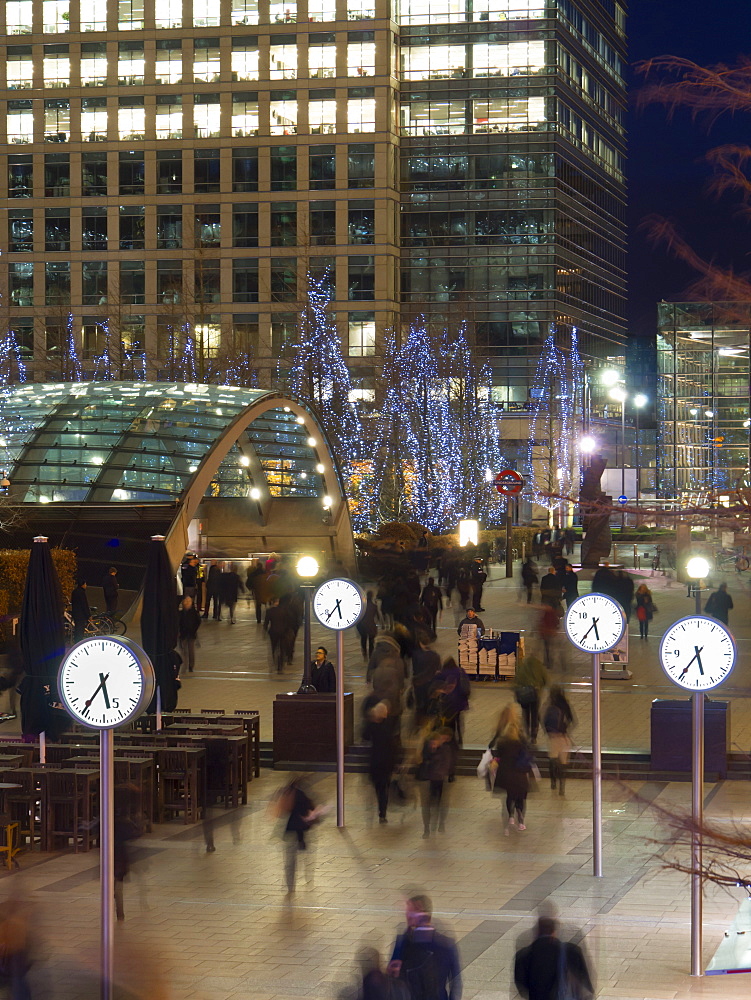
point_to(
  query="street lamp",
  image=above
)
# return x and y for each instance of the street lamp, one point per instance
(610, 377)
(618, 393)
(697, 568)
(587, 445)
(639, 400)
(307, 570)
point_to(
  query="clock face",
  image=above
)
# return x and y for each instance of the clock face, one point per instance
(106, 682)
(338, 604)
(595, 623)
(697, 653)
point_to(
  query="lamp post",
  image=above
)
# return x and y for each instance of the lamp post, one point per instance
(638, 400)
(619, 394)
(307, 570)
(697, 569)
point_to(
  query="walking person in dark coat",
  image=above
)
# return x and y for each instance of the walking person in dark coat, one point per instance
(212, 590)
(432, 600)
(111, 589)
(550, 968)
(557, 719)
(513, 765)
(80, 611)
(294, 804)
(256, 583)
(275, 624)
(230, 588)
(551, 588)
(570, 585)
(189, 622)
(189, 577)
(382, 730)
(367, 627)
(478, 577)
(435, 765)
(323, 673)
(529, 577)
(424, 959)
(719, 604)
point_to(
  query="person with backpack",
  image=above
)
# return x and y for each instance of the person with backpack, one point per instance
(645, 609)
(719, 604)
(557, 720)
(423, 958)
(512, 767)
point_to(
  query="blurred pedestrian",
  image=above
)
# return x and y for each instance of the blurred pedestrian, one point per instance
(189, 622)
(455, 688)
(111, 590)
(255, 581)
(529, 680)
(478, 577)
(426, 663)
(432, 600)
(529, 577)
(230, 588)
(557, 720)
(189, 576)
(80, 611)
(570, 585)
(550, 969)
(645, 609)
(382, 730)
(435, 764)
(719, 604)
(275, 625)
(376, 984)
(513, 764)
(367, 627)
(549, 626)
(212, 590)
(426, 960)
(126, 828)
(551, 588)
(293, 805)
(323, 672)
(15, 949)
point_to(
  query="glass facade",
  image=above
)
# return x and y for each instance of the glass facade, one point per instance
(144, 441)
(704, 418)
(471, 156)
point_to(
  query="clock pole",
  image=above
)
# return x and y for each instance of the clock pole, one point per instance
(340, 728)
(107, 856)
(697, 820)
(596, 770)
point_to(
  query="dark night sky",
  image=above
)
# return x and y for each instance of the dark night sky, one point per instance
(666, 172)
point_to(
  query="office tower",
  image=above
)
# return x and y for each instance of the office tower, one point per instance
(183, 164)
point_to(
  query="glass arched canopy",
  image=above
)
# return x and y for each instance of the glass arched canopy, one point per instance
(144, 441)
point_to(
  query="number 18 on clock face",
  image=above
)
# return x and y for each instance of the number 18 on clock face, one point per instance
(697, 653)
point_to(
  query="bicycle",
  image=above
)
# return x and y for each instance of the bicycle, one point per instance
(98, 624)
(727, 558)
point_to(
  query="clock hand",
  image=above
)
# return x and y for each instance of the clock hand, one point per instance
(335, 608)
(694, 657)
(592, 626)
(698, 659)
(103, 679)
(104, 690)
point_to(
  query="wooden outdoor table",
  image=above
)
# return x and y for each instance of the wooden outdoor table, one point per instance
(11, 760)
(87, 789)
(237, 746)
(250, 720)
(194, 766)
(138, 771)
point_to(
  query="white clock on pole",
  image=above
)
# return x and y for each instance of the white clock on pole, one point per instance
(595, 623)
(106, 682)
(338, 604)
(697, 653)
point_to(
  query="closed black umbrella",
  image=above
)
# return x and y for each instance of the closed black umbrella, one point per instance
(159, 622)
(42, 639)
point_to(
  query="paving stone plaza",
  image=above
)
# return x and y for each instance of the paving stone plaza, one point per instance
(203, 926)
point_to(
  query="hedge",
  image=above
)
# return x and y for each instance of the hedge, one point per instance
(14, 564)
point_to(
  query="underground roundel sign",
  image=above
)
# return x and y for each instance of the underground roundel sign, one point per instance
(509, 482)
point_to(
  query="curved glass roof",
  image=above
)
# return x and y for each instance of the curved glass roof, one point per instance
(144, 441)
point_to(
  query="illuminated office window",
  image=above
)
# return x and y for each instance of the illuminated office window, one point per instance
(21, 277)
(283, 113)
(322, 10)
(207, 116)
(56, 121)
(169, 61)
(283, 58)
(513, 59)
(168, 14)
(20, 122)
(18, 17)
(169, 116)
(360, 113)
(94, 119)
(208, 336)
(507, 10)
(55, 16)
(56, 66)
(93, 64)
(130, 63)
(361, 53)
(19, 67)
(436, 116)
(282, 11)
(93, 15)
(433, 11)
(245, 11)
(360, 10)
(131, 119)
(322, 112)
(321, 55)
(130, 15)
(508, 114)
(206, 67)
(244, 116)
(361, 334)
(205, 13)
(244, 59)
(434, 62)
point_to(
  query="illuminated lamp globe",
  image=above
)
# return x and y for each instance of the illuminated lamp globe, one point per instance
(610, 376)
(587, 445)
(640, 400)
(697, 568)
(618, 394)
(307, 567)
(255, 493)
